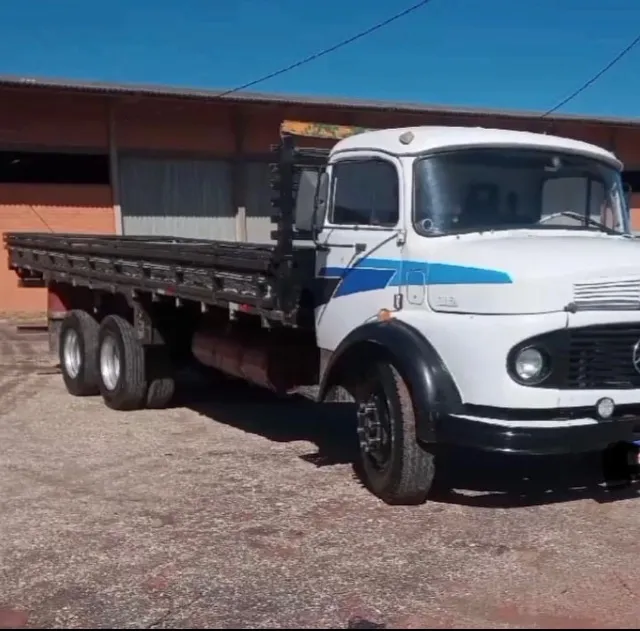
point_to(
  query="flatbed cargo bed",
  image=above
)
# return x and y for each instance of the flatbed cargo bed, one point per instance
(275, 281)
(211, 272)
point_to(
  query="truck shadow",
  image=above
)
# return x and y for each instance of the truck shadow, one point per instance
(465, 477)
(283, 419)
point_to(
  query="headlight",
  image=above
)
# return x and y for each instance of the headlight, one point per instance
(529, 364)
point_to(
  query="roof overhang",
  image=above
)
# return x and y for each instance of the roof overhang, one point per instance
(340, 103)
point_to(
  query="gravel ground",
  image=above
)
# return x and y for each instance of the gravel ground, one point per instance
(237, 510)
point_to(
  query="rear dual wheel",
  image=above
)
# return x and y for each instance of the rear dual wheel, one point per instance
(132, 376)
(76, 351)
(121, 365)
(108, 359)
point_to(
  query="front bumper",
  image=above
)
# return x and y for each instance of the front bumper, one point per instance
(536, 437)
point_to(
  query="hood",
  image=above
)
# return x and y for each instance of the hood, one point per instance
(520, 273)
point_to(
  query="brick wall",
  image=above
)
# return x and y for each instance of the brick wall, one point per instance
(52, 120)
(47, 208)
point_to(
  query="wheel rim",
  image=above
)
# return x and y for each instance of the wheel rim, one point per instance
(374, 430)
(110, 363)
(72, 356)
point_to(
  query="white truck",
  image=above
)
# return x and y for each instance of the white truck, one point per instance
(468, 286)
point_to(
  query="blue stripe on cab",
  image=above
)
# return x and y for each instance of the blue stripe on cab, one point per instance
(369, 274)
(444, 274)
(357, 279)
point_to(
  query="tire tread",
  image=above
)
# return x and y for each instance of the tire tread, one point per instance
(161, 379)
(417, 469)
(131, 392)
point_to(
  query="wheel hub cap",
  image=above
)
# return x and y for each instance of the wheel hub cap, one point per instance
(71, 354)
(374, 430)
(110, 363)
(369, 427)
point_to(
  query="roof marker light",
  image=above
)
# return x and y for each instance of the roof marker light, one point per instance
(406, 138)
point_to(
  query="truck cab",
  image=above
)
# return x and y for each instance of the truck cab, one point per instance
(508, 255)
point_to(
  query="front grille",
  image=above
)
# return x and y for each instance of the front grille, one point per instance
(602, 357)
(618, 294)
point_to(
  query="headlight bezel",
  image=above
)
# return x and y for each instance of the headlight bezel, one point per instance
(517, 351)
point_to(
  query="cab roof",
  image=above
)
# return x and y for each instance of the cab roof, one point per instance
(409, 141)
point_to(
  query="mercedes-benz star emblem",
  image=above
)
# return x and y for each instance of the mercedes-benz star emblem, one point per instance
(635, 358)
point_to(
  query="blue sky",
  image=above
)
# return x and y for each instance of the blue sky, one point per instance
(520, 54)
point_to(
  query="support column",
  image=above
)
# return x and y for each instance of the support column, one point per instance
(114, 173)
(239, 176)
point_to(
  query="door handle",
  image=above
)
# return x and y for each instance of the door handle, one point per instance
(360, 247)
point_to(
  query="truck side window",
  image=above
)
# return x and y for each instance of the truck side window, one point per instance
(365, 193)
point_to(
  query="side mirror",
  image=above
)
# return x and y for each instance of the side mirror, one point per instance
(311, 200)
(305, 200)
(320, 202)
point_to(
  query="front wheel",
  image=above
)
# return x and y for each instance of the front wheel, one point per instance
(392, 463)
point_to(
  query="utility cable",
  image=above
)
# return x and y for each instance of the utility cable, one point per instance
(595, 77)
(331, 49)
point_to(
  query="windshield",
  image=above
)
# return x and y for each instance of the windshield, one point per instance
(504, 188)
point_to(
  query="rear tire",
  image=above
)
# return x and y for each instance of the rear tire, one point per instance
(121, 365)
(392, 463)
(161, 379)
(77, 347)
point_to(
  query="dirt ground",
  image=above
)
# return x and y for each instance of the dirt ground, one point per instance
(237, 510)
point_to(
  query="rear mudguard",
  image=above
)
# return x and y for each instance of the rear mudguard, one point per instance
(434, 392)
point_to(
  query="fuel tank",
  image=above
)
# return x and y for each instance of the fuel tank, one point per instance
(279, 363)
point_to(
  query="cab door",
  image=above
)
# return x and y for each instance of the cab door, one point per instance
(359, 267)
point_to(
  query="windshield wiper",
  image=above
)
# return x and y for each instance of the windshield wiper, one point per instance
(581, 218)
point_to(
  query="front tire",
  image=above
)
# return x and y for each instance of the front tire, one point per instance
(77, 347)
(392, 463)
(121, 362)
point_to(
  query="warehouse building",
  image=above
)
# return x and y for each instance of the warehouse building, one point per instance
(103, 158)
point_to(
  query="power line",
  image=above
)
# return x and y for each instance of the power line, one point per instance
(595, 77)
(398, 16)
(331, 49)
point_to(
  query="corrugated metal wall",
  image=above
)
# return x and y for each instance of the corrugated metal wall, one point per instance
(258, 202)
(177, 197)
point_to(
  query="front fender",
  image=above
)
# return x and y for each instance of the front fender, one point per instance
(432, 388)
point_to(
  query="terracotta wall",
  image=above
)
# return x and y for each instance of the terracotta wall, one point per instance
(174, 127)
(79, 121)
(56, 121)
(263, 127)
(47, 208)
